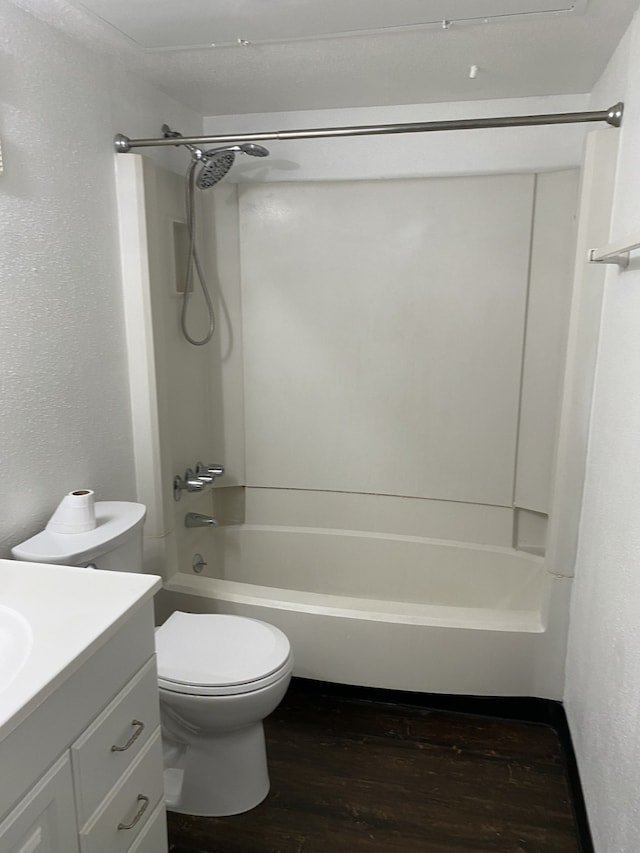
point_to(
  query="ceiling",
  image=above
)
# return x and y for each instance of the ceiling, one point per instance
(241, 56)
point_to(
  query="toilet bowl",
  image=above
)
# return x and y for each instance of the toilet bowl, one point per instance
(219, 676)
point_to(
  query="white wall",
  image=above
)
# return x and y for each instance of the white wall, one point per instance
(594, 221)
(603, 664)
(384, 338)
(64, 407)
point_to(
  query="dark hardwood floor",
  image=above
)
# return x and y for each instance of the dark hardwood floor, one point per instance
(355, 775)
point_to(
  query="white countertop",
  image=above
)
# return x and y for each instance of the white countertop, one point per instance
(52, 619)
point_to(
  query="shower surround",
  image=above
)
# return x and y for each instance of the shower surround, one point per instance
(383, 391)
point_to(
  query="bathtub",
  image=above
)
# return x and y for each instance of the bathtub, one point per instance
(390, 611)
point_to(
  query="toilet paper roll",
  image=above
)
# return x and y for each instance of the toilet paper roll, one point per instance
(75, 513)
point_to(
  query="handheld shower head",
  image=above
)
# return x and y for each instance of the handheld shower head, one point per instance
(253, 149)
(212, 166)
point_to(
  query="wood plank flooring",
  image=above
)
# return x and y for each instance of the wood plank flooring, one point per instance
(352, 775)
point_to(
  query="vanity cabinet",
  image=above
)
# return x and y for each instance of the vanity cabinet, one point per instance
(83, 772)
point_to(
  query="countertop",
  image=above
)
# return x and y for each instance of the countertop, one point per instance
(52, 619)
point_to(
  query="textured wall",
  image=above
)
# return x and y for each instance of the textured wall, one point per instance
(64, 408)
(603, 663)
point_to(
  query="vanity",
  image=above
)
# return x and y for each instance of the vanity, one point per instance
(80, 753)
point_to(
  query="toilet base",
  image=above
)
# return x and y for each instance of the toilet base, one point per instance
(217, 775)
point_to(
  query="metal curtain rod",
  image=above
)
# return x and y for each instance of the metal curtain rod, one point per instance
(612, 116)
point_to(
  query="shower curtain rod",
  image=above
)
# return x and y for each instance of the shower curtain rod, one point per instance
(612, 116)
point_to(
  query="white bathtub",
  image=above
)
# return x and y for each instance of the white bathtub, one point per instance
(391, 611)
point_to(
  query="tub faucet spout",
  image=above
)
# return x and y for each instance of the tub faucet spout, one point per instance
(196, 519)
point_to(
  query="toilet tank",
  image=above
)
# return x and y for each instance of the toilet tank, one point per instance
(115, 544)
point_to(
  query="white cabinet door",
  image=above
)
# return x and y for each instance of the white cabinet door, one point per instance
(45, 820)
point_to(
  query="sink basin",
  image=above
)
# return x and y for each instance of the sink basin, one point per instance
(16, 639)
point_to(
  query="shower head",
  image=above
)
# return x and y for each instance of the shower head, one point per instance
(218, 161)
(216, 164)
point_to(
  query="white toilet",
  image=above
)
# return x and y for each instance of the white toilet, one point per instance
(219, 676)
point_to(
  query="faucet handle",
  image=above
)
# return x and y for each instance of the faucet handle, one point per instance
(189, 482)
(192, 483)
(208, 473)
(202, 473)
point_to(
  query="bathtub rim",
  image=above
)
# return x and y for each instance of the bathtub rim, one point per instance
(373, 610)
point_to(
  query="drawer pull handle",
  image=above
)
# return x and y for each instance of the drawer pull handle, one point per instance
(145, 805)
(134, 737)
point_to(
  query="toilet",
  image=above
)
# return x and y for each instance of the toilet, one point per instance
(219, 675)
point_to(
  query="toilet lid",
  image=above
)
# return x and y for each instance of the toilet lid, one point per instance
(216, 650)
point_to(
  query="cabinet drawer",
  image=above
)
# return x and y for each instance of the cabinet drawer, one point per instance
(153, 838)
(127, 810)
(128, 722)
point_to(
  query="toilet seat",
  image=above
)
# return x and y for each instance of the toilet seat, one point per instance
(216, 654)
(226, 690)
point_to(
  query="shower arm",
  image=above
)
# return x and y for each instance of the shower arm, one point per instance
(612, 116)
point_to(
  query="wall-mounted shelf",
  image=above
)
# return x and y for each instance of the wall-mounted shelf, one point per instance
(615, 253)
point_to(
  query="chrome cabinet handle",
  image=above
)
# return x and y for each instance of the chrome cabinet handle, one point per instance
(145, 805)
(134, 737)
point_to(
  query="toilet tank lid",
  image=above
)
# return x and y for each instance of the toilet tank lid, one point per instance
(218, 649)
(115, 523)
